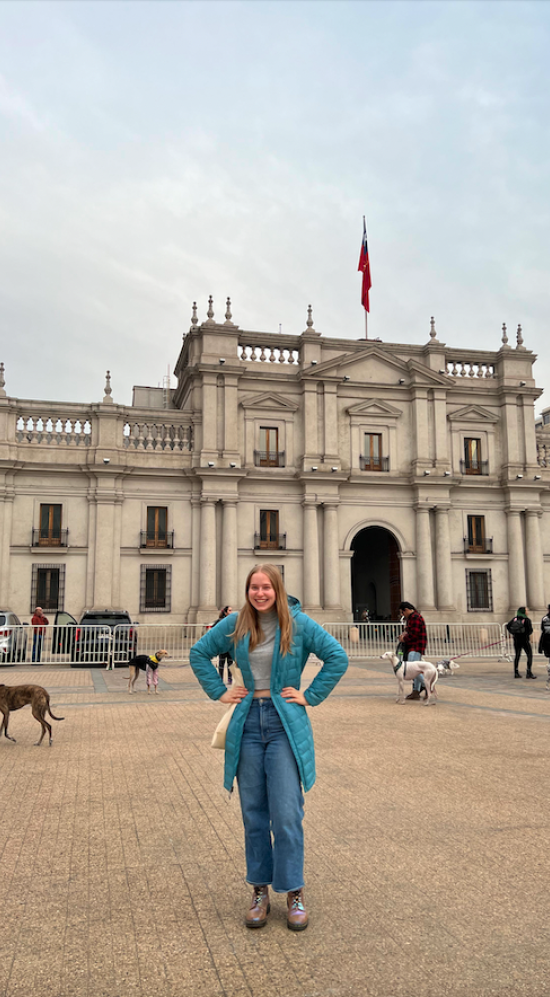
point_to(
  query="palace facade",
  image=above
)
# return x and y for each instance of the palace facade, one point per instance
(370, 472)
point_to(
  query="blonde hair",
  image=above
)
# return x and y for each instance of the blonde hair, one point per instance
(248, 620)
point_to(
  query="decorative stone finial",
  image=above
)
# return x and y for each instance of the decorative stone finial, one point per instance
(228, 316)
(2, 381)
(520, 339)
(504, 335)
(309, 322)
(210, 312)
(194, 318)
(108, 390)
(433, 333)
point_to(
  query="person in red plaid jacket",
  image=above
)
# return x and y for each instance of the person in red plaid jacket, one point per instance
(413, 640)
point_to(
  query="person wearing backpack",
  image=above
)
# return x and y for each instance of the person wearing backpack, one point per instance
(521, 628)
(544, 643)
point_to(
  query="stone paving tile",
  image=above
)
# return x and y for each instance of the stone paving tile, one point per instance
(427, 841)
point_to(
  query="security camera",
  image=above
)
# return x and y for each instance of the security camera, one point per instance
(211, 463)
(537, 477)
(446, 474)
(518, 476)
(522, 384)
(106, 460)
(426, 473)
(232, 464)
(313, 468)
(334, 468)
(346, 377)
(401, 380)
(222, 359)
(313, 362)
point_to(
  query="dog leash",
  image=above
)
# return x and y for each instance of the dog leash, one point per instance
(483, 647)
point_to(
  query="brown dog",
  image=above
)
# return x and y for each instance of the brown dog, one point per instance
(13, 697)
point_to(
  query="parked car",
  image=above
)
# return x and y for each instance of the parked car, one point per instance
(97, 642)
(13, 638)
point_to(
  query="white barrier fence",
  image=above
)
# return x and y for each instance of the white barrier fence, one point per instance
(99, 646)
(445, 640)
(96, 646)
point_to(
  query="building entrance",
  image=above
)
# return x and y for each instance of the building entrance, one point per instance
(375, 575)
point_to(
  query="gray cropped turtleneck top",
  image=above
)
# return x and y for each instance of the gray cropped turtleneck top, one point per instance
(262, 655)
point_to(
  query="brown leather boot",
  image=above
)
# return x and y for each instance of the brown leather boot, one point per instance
(413, 695)
(296, 916)
(259, 908)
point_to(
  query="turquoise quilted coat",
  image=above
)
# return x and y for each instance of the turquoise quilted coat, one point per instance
(309, 638)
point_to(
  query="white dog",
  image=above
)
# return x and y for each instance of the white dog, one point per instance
(446, 667)
(406, 671)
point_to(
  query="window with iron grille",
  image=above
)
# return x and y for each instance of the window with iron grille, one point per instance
(479, 591)
(373, 452)
(269, 447)
(269, 528)
(155, 591)
(48, 586)
(472, 456)
(476, 533)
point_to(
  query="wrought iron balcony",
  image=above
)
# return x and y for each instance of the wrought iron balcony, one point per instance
(269, 458)
(148, 538)
(50, 538)
(374, 463)
(474, 467)
(276, 542)
(484, 546)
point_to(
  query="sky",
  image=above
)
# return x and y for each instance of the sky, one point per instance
(154, 153)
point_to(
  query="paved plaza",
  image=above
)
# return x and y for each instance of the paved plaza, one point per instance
(427, 844)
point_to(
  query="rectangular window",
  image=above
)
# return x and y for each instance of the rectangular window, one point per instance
(472, 456)
(479, 593)
(269, 528)
(373, 451)
(157, 522)
(48, 586)
(50, 526)
(476, 534)
(155, 588)
(269, 446)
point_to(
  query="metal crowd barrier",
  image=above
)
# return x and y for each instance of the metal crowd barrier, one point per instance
(96, 646)
(445, 640)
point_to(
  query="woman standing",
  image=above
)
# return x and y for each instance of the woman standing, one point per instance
(224, 659)
(269, 742)
(521, 629)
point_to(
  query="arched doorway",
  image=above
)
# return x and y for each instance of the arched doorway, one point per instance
(375, 574)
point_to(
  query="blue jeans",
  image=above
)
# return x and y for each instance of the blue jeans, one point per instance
(272, 802)
(418, 682)
(36, 648)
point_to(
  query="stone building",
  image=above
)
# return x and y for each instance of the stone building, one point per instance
(369, 471)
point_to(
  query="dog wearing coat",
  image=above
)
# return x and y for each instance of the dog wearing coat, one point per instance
(139, 663)
(13, 697)
(406, 671)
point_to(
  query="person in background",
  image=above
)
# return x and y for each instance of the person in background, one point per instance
(413, 641)
(521, 628)
(224, 659)
(269, 741)
(39, 622)
(544, 644)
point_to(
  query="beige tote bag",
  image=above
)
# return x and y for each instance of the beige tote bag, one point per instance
(218, 740)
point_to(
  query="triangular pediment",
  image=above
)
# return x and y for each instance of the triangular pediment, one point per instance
(270, 400)
(370, 364)
(472, 413)
(375, 409)
(420, 374)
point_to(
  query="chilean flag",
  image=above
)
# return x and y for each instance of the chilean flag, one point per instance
(364, 267)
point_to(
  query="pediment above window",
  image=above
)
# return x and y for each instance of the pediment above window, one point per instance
(270, 401)
(473, 413)
(375, 409)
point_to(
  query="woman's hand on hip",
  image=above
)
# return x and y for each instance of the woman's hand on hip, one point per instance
(234, 695)
(294, 696)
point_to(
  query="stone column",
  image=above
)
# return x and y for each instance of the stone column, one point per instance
(207, 560)
(5, 540)
(311, 557)
(331, 558)
(444, 572)
(424, 568)
(229, 554)
(90, 561)
(535, 570)
(117, 536)
(104, 543)
(195, 556)
(516, 562)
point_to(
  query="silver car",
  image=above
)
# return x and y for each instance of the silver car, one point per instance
(13, 638)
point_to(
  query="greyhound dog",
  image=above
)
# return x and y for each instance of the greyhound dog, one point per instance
(13, 697)
(140, 662)
(406, 671)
